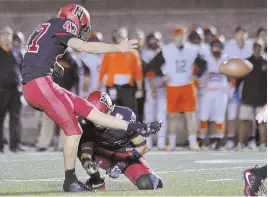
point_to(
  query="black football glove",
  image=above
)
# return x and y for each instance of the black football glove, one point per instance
(144, 129)
(154, 127)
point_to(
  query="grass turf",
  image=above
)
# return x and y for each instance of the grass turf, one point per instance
(183, 173)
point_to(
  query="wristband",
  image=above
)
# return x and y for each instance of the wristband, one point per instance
(136, 153)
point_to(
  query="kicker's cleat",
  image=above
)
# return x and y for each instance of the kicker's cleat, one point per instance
(97, 184)
(253, 183)
(77, 186)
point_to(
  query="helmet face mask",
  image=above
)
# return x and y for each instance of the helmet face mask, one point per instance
(84, 32)
(80, 16)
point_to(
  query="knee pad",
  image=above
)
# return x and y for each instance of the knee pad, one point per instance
(149, 182)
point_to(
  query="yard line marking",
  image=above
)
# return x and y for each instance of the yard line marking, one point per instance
(124, 179)
(20, 160)
(201, 169)
(231, 161)
(220, 180)
(33, 180)
(171, 153)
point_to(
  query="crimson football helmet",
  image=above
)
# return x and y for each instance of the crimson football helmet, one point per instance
(101, 101)
(80, 16)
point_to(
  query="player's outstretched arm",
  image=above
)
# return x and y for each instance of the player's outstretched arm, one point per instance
(106, 120)
(98, 47)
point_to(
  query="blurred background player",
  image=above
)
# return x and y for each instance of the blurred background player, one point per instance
(19, 42)
(140, 36)
(120, 70)
(10, 89)
(91, 65)
(210, 32)
(213, 102)
(262, 35)
(155, 105)
(239, 47)
(254, 95)
(177, 60)
(117, 153)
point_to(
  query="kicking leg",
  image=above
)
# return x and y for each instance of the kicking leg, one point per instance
(49, 97)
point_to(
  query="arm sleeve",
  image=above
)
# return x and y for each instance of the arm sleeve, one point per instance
(65, 30)
(156, 63)
(201, 66)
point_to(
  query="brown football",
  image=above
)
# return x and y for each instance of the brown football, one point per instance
(236, 68)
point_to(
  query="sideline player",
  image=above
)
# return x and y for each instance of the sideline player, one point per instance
(177, 60)
(155, 105)
(239, 47)
(47, 43)
(213, 103)
(116, 152)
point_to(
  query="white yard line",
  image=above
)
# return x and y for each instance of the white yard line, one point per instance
(120, 180)
(220, 180)
(231, 161)
(21, 160)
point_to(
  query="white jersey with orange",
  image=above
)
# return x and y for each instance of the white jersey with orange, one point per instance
(213, 79)
(179, 63)
(213, 102)
(232, 49)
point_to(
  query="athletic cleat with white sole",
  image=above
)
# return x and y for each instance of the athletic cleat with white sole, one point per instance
(253, 183)
(97, 184)
(77, 186)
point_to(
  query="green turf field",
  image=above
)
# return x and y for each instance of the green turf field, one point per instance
(183, 173)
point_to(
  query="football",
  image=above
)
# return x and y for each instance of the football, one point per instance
(236, 68)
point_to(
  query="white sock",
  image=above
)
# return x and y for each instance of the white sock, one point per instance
(230, 144)
(219, 136)
(172, 141)
(192, 139)
(149, 142)
(161, 142)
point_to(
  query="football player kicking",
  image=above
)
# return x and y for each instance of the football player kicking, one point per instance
(254, 177)
(116, 152)
(47, 43)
